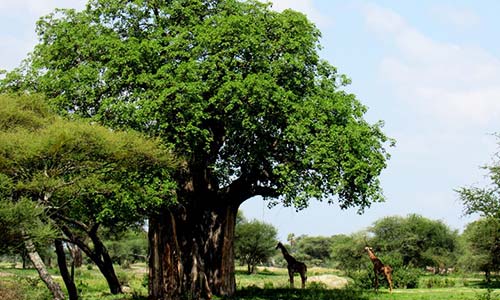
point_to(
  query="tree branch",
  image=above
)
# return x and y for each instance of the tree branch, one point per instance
(247, 186)
(78, 224)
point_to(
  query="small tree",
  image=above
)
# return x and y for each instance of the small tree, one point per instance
(24, 224)
(85, 176)
(255, 243)
(482, 247)
(127, 246)
(315, 249)
(483, 236)
(347, 251)
(416, 240)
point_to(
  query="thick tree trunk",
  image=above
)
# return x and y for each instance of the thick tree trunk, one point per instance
(63, 268)
(191, 252)
(35, 258)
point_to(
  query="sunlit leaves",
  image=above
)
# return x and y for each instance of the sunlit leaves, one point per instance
(234, 88)
(83, 170)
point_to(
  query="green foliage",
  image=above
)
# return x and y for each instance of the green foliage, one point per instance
(363, 278)
(406, 278)
(348, 252)
(481, 252)
(127, 247)
(80, 170)
(403, 278)
(20, 220)
(23, 111)
(482, 238)
(315, 249)
(417, 240)
(236, 89)
(315, 293)
(484, 201)
(437, 282)
(255, 243)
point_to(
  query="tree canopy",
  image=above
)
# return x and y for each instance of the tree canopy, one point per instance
(481, 246)
(416, 240)
(237, 91)
(255, 243)
(482, 238)
(80, 170)
(484, 201)
(81, 176)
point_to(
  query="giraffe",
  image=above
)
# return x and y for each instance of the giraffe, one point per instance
(293, 266)
(380, 268)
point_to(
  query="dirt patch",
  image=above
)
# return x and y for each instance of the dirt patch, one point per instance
(331, 281)
(3, 274)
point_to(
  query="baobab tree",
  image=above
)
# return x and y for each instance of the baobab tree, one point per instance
(237, 91)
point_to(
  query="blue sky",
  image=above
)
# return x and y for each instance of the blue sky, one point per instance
(429, 69)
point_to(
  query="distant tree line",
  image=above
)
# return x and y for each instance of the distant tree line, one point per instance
(412, 245)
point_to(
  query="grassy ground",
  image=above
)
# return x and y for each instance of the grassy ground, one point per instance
(267, 284)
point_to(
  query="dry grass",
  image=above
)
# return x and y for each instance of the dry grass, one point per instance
(10, 291)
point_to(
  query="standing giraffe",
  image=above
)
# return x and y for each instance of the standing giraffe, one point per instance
(380, 268)
(293, 266)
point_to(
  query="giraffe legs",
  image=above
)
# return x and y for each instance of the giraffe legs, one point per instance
(387, 272)
(388, 276)
(303, 277)
(290, 274)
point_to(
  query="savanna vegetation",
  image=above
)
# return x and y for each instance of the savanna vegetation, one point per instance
(165, 116)
(340, 274)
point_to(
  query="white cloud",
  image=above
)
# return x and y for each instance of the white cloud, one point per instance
(17, 26)
(305, 6)
(450, 81)
(454, 16)
(39, 7)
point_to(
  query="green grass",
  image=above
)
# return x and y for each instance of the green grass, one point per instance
(267, 284)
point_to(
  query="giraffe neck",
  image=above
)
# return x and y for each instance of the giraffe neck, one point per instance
(371, 255)
(287, 256)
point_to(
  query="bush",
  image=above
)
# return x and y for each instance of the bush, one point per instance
(315, 285)
(268, 285)
(436, 282)
(123, 278)
(406, 278)
(362, 279)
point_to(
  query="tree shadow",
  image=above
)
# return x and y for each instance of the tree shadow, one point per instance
(255, 293)
(263, 272)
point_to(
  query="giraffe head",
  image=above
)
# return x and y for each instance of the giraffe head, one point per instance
(368, 248)
(279, 245)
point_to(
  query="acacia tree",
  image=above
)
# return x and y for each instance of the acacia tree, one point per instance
(481, 241)
(415, 240)
(238, 91)
(83, 175)
(483, 237)
(255, 242)
(22, 225)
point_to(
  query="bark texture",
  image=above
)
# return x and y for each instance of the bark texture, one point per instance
(191, 254)
(37, 261)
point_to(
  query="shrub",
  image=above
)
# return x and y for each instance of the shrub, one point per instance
(268, 285)
(406, 277)
(362, 279)
(437, 282)
(123, 278)
(315, 285)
